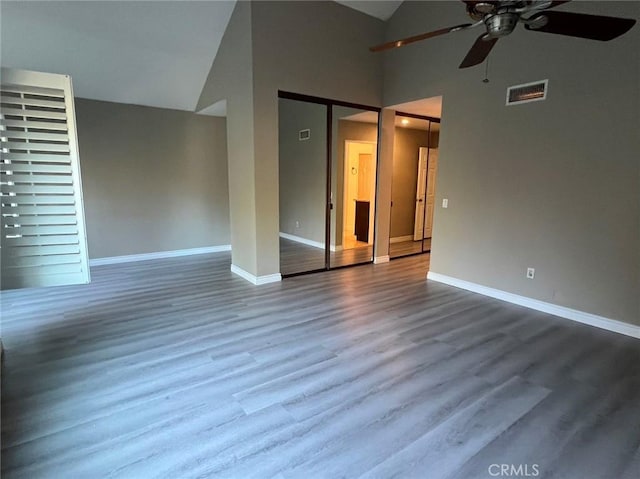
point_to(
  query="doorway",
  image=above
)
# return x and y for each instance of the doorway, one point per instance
(359, 193)
(415, 164)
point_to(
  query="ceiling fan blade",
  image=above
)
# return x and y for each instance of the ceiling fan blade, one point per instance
(478, 52)
(422, 36)
(594, 27)
(556, 3)
(534, 6)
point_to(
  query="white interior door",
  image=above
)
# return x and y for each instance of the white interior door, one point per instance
(43, 239)
(367, 184)
(431, 191)
(421, 190)
(350, 193)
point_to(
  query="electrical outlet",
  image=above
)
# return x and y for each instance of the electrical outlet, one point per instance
(297, 224)
(445, 202)
(531, 272)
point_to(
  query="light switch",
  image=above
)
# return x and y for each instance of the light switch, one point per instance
(445, 202)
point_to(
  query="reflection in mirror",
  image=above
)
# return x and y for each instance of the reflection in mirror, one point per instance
(353, 185)
(430, 190)
(303, 185)
(413, 185)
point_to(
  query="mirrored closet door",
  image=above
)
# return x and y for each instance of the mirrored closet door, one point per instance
(353, 184)
(328, 154)
(303, 185)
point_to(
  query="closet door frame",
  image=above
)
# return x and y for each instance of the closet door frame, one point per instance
(329, 204)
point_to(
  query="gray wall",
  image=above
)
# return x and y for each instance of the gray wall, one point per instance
(317, 48)
(303, 169)
(231, 79)
(552, 185)
(153, 179)
(386, 135)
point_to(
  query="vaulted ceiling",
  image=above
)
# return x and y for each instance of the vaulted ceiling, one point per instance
(153, 53)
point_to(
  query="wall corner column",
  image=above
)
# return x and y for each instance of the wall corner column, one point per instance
(386, 135)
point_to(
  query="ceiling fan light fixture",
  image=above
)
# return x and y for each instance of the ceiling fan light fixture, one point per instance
(484, 7)
(501, 24)
(478, 10)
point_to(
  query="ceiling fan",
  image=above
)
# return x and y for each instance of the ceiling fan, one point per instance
(501, 17)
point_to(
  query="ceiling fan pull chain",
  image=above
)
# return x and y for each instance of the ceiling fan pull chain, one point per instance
(486, 72)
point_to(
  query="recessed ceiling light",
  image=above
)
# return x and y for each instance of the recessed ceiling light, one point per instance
(405, 121)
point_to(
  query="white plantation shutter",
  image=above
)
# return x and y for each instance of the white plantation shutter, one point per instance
(43, 233)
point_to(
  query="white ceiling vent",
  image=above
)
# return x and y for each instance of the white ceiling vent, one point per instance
(528, 92)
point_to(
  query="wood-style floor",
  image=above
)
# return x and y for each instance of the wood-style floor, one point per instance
(177, 369)
(299, 258)
(405, 248)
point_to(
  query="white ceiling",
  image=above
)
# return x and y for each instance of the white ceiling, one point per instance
(426, 106)
(154, 53)
(382, 9)
(145, 53)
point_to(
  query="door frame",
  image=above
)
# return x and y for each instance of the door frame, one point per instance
(330, 103)
(421, 202)
(432, 165)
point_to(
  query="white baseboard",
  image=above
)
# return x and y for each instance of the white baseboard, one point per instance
(300, 239)
(401, 239)
(567, 313)
(335, 248)
(158, 255)
(257, 280)
(381, 259)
